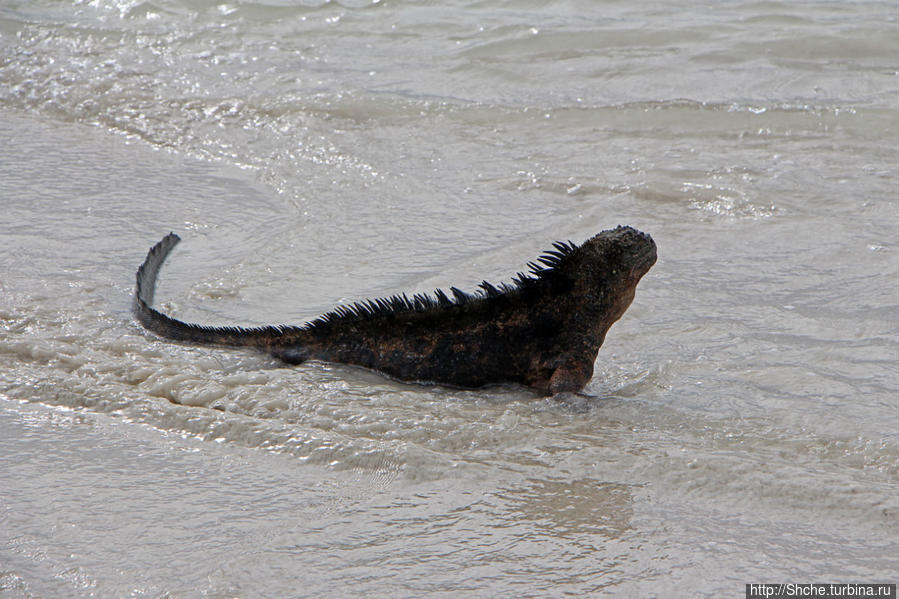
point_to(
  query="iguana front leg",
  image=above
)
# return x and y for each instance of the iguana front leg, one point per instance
(568, 373)
(572, 376)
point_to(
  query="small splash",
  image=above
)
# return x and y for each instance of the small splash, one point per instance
(724, 201)
(216, 289)
(711, 199)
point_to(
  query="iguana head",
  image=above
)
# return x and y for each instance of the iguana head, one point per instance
(609, 266)
(624, 251)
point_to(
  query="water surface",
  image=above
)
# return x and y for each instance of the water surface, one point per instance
(741, 423)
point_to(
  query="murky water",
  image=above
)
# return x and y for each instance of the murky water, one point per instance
(742, 422)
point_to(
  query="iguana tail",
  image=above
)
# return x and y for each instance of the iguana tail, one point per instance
(166, 326)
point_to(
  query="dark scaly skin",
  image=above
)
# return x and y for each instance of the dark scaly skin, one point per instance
(544, 331)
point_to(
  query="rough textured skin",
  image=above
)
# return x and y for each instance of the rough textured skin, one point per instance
(542, 331)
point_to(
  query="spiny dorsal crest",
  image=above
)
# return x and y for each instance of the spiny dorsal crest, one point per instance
(547, 264)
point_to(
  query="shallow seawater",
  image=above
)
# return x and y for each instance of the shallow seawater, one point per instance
(742, 422)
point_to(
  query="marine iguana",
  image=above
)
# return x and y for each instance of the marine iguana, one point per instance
(543, 330)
